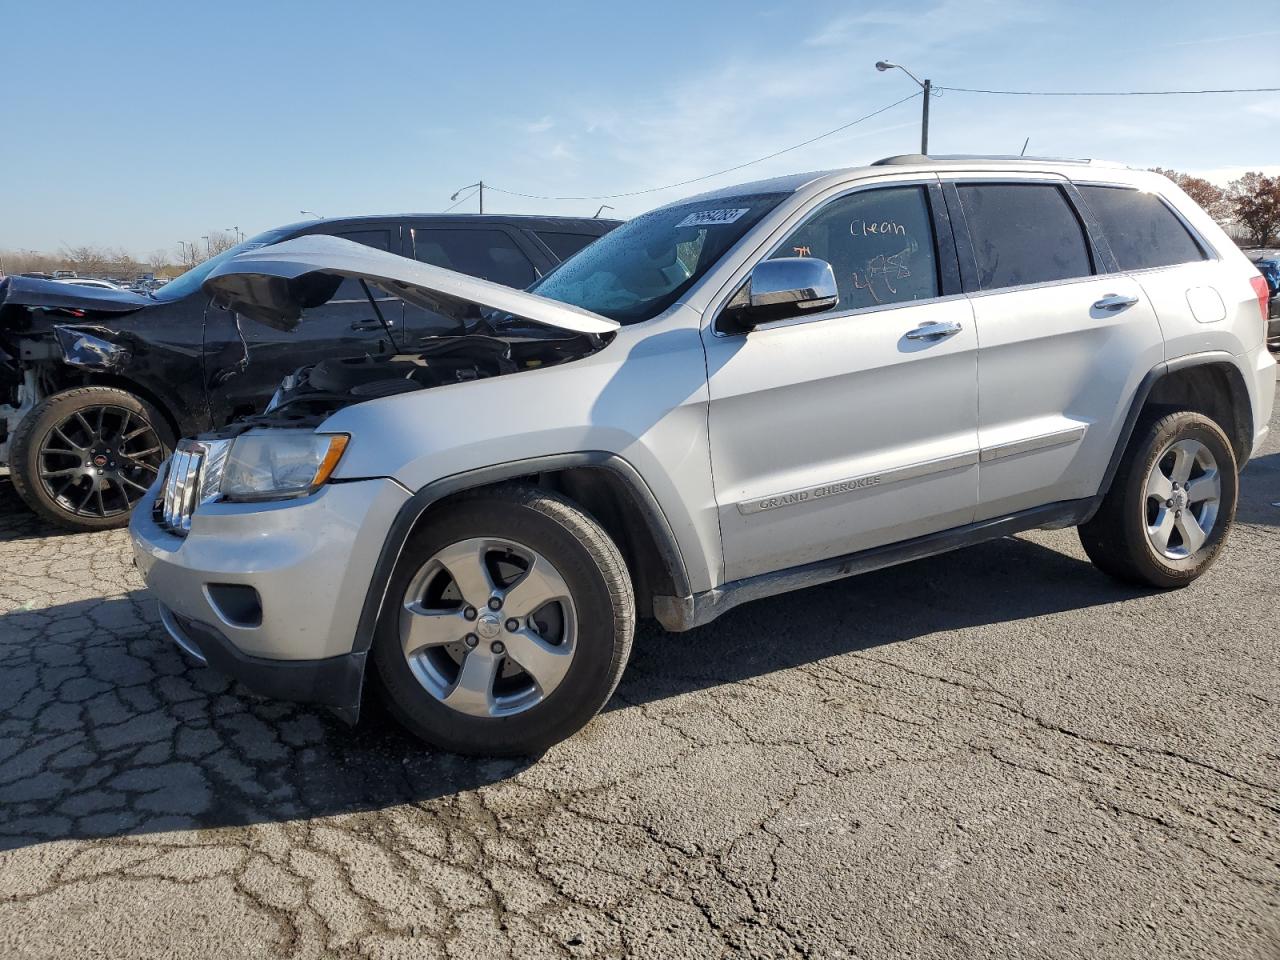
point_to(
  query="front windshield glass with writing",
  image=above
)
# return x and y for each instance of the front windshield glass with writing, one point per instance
(635, 272)
(189, 282)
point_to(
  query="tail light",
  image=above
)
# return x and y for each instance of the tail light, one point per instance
(1264, 295)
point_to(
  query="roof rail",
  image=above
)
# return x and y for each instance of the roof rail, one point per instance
(910, 158)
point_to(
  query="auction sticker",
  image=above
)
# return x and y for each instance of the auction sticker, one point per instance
(711, 218)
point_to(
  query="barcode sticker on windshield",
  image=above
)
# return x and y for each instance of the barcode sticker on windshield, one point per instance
(711, 218)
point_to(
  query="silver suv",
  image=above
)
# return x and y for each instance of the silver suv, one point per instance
(758, 389)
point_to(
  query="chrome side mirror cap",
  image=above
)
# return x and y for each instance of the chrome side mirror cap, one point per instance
(783, 288)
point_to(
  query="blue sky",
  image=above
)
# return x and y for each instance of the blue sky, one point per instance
(138, 124)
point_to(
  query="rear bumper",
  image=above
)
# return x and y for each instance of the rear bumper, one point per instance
(1262, 386)
(333, 682)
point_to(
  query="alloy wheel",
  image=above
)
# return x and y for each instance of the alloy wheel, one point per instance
(1183, 492)
(99, 461)
(488, 627)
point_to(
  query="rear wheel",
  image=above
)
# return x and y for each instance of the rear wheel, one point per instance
(508, 623)
(1170, 507)
(83, 458)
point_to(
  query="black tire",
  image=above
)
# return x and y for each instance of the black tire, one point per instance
(121, 412)
(593, 569)
(1116, 537)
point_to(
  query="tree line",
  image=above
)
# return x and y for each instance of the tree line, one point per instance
(1252, 201)
(87, 260)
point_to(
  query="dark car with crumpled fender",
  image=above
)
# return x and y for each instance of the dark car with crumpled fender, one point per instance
(96, 384)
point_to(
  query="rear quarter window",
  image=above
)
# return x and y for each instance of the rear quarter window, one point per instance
(1142, 230)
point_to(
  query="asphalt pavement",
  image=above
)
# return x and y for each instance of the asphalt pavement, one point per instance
(999, 752)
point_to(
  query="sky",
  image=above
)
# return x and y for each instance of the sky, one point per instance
(136, 124)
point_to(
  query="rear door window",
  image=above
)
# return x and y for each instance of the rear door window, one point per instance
(488, 254)
(879, 243)
(1023, 233)
(1142, 230)
(564, 245)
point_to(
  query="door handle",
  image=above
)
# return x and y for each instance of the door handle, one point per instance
(1115, 301)
(366, 325)
(933, 331)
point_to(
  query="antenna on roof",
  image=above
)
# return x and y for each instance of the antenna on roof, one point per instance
(1024, 147)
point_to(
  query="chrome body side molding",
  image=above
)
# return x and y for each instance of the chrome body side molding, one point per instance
(1059, 438)
(853, 484)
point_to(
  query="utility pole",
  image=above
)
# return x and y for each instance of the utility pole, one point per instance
(927, 86)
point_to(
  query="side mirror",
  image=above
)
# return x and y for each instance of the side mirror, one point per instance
(783, 288)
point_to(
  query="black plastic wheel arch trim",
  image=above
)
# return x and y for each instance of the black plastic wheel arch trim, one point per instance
(1143, 392)
(413, 509)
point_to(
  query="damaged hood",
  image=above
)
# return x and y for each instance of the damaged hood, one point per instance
(276, 284)
(33, 292)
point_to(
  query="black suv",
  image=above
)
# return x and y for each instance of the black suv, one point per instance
(96, 385)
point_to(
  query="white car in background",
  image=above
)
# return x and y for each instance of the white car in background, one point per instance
(759, 389)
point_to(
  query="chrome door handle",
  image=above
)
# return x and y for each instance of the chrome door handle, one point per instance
(1115, 301)
(933, 331)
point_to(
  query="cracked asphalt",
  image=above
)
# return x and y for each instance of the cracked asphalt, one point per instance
(998, 752)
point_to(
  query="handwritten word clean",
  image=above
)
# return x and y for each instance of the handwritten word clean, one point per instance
(865, 228)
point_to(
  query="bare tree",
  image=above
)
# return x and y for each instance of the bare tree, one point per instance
(1255, 199)
(220, 241)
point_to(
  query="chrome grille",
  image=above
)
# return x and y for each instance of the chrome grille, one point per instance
(181, 487)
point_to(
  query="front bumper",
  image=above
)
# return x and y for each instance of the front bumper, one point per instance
(270, 593)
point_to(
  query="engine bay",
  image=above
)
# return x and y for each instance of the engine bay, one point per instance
(312, 393)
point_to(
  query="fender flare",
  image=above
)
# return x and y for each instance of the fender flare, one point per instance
(1140, 397)
(412, 510)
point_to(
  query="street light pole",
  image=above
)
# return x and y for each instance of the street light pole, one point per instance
(480, 184)
(927, 86)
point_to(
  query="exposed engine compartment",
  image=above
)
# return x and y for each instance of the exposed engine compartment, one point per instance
(312, 393)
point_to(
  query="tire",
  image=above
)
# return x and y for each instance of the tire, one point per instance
(1124, 537)
(579, 643)
(83, 458)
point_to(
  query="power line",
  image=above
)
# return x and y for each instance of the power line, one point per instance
(708, 176)
(1109, 93)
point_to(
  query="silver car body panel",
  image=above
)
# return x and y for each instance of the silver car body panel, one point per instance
(309, 560)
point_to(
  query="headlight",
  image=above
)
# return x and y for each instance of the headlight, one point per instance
(275, 464)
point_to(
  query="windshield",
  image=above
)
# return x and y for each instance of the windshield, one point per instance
(189, 282)
(641, 268)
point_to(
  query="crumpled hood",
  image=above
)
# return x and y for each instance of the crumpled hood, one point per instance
(276, 284)
(34, 292)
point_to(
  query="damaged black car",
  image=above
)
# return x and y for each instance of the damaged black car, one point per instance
(96, 385)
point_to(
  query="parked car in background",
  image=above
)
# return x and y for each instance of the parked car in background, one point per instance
(758, 389)
(96, 384)
(1270, 270)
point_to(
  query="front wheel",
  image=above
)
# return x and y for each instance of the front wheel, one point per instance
(83, 458)
(1170, 507)
(508, 623)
